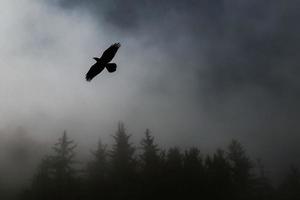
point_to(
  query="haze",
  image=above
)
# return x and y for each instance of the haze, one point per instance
(196, 73)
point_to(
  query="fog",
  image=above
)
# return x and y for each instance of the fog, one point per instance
(195, 73)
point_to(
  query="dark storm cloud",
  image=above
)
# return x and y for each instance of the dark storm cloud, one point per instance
(242, 42)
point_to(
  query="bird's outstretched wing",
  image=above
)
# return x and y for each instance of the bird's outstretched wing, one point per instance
(111, 67)
(109, 53)
(94, 71)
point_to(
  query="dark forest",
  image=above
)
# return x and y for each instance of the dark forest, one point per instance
(145, 171)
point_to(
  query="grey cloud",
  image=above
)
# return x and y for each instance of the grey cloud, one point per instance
(240, 43)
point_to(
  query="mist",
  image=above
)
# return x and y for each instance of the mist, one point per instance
(196, 73)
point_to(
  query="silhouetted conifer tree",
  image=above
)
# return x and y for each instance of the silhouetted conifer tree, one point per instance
(97, 173)
(218, 176)
(56, 177)
(241, 166)
(151, 165)
(97, 168)
(63, 172)
(150, 160)
(174, 162)
(123, 165)
(173, 174)
(193, 172)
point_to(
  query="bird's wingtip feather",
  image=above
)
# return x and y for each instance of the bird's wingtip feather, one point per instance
(87, 78)
(117, 44)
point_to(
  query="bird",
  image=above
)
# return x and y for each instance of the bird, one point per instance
(104, 62)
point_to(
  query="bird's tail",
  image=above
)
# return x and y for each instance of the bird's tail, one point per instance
(111, 67)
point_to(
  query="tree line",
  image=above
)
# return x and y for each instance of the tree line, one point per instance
(119, 172)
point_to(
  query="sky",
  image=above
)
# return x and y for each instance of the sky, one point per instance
(196, 72)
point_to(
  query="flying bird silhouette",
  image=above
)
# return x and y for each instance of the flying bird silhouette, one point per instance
(104, 62)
